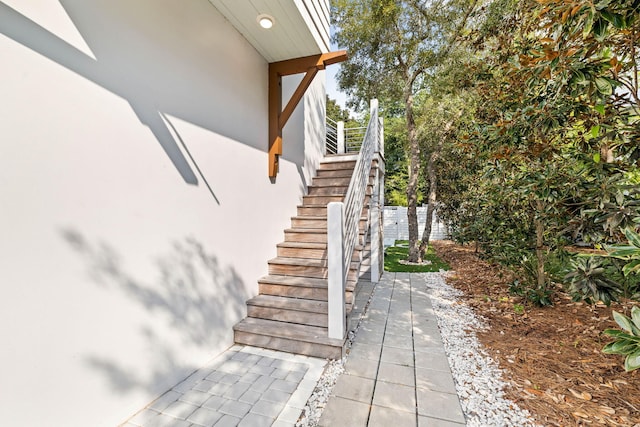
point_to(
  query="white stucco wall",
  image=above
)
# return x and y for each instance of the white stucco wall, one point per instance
(136, 213)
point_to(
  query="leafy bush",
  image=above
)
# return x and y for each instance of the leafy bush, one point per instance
(629, 252)
(590, 280)
(538, 295)
(627, 341)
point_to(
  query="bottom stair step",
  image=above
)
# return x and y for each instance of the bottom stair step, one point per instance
(290, 310)
(300, 339)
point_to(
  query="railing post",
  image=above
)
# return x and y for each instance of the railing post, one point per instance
(381, 136)
(375, 230)
(340, 137)
(336, 274)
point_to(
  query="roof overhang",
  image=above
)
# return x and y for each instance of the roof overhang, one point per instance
(301, 27)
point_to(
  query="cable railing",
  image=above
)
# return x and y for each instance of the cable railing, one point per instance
(353, 138)
(341, 139)
(332, 136)
(343, 224)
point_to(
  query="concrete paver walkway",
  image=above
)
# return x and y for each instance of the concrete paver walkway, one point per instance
(397, 373)
(245, 386)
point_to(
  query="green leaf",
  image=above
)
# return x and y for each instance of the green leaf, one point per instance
(635, 316)
(600, 29)
(632, 267)
(623, 251)
(603, 85)
(620, 347)
(595, 130)
(617, 333)
(632, 362)
(588, 24)
(614, 18)
(623, 321)
(600, 108)
(633, 237)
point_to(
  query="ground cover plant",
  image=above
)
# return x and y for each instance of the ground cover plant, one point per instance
(394, 255)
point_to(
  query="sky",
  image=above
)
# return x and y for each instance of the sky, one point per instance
(332, 84)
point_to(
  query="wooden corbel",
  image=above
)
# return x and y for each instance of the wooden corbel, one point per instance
(277, 116)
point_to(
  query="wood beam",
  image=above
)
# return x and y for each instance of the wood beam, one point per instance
(310, 65)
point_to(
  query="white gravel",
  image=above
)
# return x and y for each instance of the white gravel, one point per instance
(318, 400)
(478, 378)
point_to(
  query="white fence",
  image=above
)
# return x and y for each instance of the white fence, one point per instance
(396, 224)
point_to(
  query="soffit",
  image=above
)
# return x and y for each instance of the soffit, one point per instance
(300, 28)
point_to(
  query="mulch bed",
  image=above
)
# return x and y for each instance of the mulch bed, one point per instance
(550, 356)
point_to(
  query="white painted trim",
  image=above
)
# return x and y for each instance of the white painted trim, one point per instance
(335, 262)
(340, 133)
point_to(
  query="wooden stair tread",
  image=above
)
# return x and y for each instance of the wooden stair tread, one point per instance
(302, 245)
(297, 304)
(306, 262)
(305, 333)
(306, 230)
(311, 245)
(312, 230)
(303, 282)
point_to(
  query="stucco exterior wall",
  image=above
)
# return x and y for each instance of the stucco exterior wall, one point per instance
(136, 213)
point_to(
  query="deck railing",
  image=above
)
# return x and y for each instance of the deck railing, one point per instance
(343, 225)
(341, 139)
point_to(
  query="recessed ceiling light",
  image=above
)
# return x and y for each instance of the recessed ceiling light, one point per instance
(265, 21)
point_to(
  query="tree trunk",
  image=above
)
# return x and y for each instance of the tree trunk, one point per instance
(412, 185)
(431, 199)
(540, 273)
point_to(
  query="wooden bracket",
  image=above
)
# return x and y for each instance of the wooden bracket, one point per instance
(310, 65)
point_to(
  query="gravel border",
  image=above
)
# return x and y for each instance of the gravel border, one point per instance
(478, 378)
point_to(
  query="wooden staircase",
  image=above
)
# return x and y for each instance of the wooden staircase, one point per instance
(290, 312)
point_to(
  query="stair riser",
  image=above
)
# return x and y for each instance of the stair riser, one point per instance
(344, 173)
(315, 211)
(305, 271)
(312, 211)
(289, 316)
(302, 253)
(301, 237)
(288, 345)
(337, 165)
(301, 222)
(318, 294)
(324, 182)
(310, 253)
(324, 200)
(327, 191)
(320, 200)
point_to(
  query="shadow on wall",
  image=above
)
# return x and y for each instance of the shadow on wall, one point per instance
(162, 57)
(194, 294)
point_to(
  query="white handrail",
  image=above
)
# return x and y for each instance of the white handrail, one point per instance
(343, 227)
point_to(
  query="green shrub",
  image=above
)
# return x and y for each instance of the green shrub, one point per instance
(590, 280)
(627, 341)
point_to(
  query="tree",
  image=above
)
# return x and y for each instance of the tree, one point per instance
(393, 45)
(335, 112)
(554, 135)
